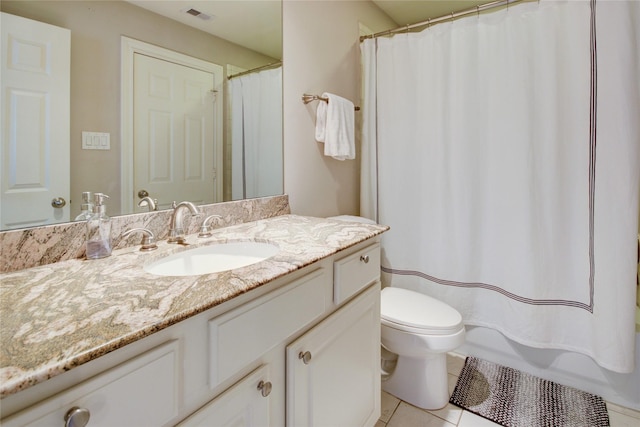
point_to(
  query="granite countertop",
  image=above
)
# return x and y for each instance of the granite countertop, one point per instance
(59, 316)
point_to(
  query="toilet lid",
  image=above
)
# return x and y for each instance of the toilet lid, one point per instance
(409, 310)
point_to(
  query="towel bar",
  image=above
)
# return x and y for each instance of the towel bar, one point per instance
(306, 98)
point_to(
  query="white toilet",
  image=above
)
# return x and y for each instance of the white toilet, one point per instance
(420, 330)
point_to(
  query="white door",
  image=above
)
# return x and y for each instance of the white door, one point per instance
(35, 105)
(333, 371)
(173, 132)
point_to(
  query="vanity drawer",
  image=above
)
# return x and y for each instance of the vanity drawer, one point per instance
(243, 335)
(354, 272)
(143, 391)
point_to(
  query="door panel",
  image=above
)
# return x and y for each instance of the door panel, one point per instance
(34, 165)
(173, 132)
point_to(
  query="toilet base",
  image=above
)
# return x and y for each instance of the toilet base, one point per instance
(421, 382)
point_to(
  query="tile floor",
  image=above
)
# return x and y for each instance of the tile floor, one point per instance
(396, 413)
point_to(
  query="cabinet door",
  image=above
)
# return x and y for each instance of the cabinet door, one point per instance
(246, 403)
(333, 371)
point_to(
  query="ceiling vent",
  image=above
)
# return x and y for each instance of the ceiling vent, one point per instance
(198, 14)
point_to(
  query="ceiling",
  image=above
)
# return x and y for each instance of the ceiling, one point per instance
(405, 12)
(257, 24)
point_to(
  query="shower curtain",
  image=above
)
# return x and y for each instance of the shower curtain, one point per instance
(256, 134)
(503, 150)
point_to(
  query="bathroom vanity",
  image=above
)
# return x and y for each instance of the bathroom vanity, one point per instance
(291, 340)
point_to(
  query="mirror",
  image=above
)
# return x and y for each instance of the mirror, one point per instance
(236, 35)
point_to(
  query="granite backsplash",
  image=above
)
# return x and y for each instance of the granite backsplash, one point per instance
(21, 249)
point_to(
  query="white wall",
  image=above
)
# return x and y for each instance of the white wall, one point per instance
(321, 54)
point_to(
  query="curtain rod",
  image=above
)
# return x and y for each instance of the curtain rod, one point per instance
(449, 17)
(253, 70)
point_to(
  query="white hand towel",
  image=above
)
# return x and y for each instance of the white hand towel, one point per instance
(335, 127)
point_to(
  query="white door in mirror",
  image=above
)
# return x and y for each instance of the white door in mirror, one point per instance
(175, 144)
(212, 259)
(35, 123)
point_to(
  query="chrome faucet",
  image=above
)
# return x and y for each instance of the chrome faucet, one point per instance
(176, 233)
(148, 201)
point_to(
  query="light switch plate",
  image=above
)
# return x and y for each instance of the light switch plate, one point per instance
(96, 141)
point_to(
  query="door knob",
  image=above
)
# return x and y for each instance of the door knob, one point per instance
(143, 193)
(58, 202)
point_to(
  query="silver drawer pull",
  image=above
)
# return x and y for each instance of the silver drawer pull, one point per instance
(305, 357)
(76, 417)
(364, 258)
(265, 388)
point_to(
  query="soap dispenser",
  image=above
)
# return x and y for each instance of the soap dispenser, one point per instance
(86, 209)
(98, 230)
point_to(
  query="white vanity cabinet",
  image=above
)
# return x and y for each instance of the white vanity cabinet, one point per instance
(303, 350)
(333, 370)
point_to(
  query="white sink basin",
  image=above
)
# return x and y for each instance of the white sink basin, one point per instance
(212, 259)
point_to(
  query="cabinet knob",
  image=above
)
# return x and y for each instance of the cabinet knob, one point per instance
(305, 357)
(76, 417)
(265, 388)
(364, 258)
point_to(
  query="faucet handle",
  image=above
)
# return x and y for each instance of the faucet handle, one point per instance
(148, 239)
(204, 229)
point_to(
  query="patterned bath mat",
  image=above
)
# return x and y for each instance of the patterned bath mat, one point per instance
(514, 398)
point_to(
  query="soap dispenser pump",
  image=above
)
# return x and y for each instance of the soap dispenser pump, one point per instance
(98, 230)
(86, 209)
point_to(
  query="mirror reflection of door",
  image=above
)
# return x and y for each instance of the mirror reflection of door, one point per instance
(35, 123)
(174, 120)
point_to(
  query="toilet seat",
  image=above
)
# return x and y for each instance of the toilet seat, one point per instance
(414, 312)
